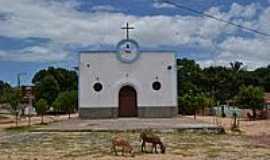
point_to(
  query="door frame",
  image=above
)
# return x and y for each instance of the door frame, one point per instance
(136, 100)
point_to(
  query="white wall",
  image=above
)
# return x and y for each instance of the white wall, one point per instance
(112, 73)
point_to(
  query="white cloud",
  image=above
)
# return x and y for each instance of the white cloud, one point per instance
(2, 54)
(104, 8)
(253, 52)
(64, 25)
(159, 5)
(35, 54)
(264, 21)
(248, 11)
(67, 25)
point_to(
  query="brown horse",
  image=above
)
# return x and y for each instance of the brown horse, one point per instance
(119, 141)
(148, 137)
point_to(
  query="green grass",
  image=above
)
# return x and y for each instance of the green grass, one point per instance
(19, 129)
(23, 128)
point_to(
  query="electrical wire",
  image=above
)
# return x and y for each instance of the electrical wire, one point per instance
(180, 6)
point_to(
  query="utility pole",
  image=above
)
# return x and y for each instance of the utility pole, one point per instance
(19, 78)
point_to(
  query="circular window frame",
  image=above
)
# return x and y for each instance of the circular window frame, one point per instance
(118, 53)
(98, 87)
(156, 85)
(169, 67)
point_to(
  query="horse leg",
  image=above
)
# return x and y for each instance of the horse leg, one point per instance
(156, 148)
(123, 150)
(143, 146)
(114, 150)
(152, 149)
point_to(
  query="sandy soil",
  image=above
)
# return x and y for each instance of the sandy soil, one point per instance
(250, 144)
(18, 145)
(9, 121)
(24, 145)
(252, 128)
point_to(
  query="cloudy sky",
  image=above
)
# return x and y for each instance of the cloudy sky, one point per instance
(35, 34)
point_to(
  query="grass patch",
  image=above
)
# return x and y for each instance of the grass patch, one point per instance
(24, 128)
(214, 152)
(19, 129)
(80, 145)
(184, 153)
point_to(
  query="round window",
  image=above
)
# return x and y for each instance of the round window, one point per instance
(97, 87)
(156, 85)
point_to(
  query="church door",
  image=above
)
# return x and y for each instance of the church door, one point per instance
(127, 102)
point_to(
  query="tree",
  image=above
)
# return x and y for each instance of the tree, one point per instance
(41, 108)
(220, 83)
(204, 102)
(251, 97)
(52, 81)
(57, 105)
(66, 79)
(263, 78)
(189, 104)
(184, 104)
(189, 75)
(236, 66)
(13, 97)
(48, 89)
(3, 88)
(66, 102)
(74, 99)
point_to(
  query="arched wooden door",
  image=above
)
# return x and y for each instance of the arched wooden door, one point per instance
(127, 102)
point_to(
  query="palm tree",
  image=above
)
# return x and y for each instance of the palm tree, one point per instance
(236, 66)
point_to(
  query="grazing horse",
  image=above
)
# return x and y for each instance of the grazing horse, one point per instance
(119, 141)
(148, 137)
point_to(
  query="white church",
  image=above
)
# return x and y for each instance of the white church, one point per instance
(127, 82)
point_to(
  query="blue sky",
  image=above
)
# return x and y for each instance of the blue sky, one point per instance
(35, 34)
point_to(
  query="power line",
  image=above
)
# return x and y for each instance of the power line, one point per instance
(213, 17)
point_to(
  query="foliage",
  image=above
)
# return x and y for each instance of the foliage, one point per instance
(41, 107)
(66, 79)
(251, 97)
(49, 83)
(236, 66)
(47, 89)
(3, 88)
(13, 97)
(66, 102)
(57, 105)
(192, 104)
(221, 83)
(189, 74)
(263, 78)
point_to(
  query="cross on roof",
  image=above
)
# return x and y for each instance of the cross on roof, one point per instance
(127, 28)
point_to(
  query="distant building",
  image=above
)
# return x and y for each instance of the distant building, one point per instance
(28, 97)
(267, 99)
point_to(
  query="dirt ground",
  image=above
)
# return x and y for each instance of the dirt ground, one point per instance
(252, 143)
(251, 128)
(96, 145)
(7, 121)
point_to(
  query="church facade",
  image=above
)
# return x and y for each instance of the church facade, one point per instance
(127, 82)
